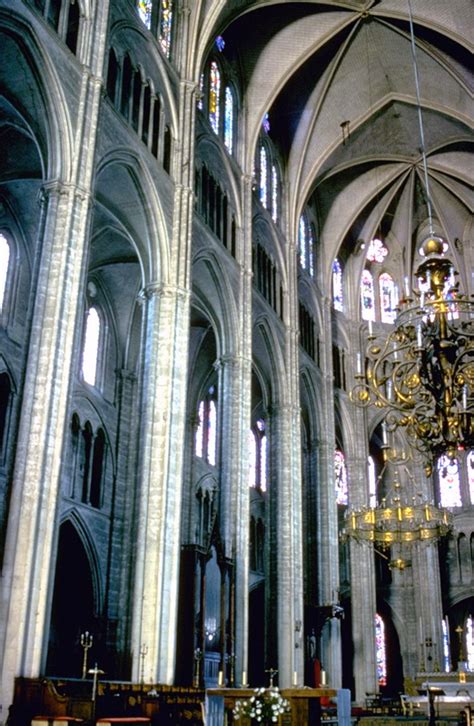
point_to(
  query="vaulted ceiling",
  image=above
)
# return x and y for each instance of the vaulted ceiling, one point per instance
(338, 82)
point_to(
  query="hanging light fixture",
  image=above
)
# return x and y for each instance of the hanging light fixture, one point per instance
(402, 517)
(422, 375)
(422, 372)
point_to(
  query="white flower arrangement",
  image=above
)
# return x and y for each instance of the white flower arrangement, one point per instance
(266, 705)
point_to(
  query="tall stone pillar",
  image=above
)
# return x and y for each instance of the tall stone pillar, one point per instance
(328, 535)
(60, 266)
(164, 382)
(155, 598)
(234, 387)
(286, 519)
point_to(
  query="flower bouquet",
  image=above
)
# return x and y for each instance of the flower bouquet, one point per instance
(265, 706)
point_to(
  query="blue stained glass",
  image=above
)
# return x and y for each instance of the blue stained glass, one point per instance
(274, 193)
(166, 24)
(367, 297)
(337, 297)
(144, 11)
(220, 43)
(214, 96)
(263, 176)
(266, 123)
(229, 119)
(340, 476)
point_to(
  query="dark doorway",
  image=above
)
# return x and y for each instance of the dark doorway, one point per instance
(73, 606)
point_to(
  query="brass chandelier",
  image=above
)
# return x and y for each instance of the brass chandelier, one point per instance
(402, 517)
(422, 373)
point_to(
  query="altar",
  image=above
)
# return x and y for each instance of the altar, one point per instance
(305, 704)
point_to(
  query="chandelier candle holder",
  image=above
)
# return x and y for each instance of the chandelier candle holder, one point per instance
(422, 372)
(404, 515)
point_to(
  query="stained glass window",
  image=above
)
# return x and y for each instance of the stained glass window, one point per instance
(229, 119)
(449, 482)
(199, 440)
(381, 654)
(388, 298)
(302, 241)
(340, 476)
(220, 43)
(446, 648)
(91, 347)
(372, 482)
(367, 296)
(377, 251)
(275, 192)
(214, 96)
(144, 10)
(469, 643)
(337, 297)
(263, 176)
(200, 103)
(4, 260)
(470, 474)
(311, 241)
(266, 123)
(166, 25)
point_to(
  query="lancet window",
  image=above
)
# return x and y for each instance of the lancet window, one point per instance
(306, 243)
(337, 293)
(449, 482)
(90, 351)
(206, 434)
(4, 265)
(381, 654)
(157, 16)
(340, 478)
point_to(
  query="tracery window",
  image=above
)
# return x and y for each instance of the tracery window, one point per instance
(275, 193)
(340, 477)
(381, 654)
(377, 251)
(4, 262)
(206, 434)
(337, 296)
(449, 482)
(367, 296)
(258, 456)
(388, 298)
(90, 350)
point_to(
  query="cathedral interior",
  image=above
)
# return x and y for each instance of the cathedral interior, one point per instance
(208, 209)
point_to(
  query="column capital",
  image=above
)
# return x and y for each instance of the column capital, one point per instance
(162, 290)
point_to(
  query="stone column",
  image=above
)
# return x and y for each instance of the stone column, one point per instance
(363, 595)
(155, 597)
(60, 265)
(328, 535)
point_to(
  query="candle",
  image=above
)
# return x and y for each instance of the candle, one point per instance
(323, 677)
(419, 337)
(370, 327)
(407, 288)
(295, 678)
(220, 678)
(359, 362)
(244, 678)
